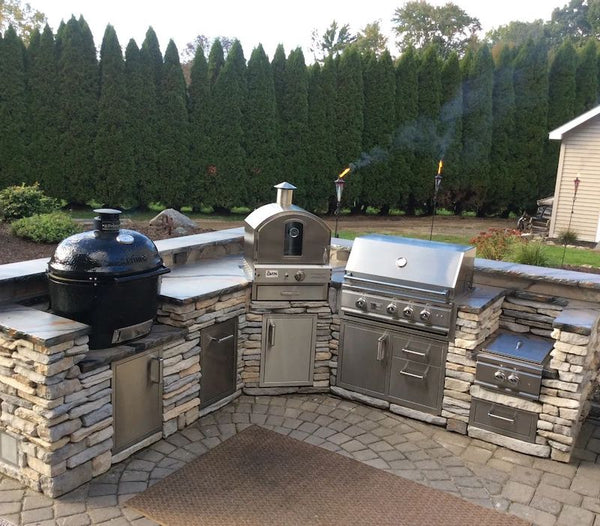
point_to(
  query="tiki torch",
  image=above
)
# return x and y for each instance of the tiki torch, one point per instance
(437, 181)
(339, 188)
(576, 182)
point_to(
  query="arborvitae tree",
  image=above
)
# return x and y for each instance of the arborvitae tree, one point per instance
(477, 127)
(278, 69)
(227, 158)
(294, 124)
(115, 185)
(502, 168)
(450, 133)
(78, 110)
(173, 160)
(14, 165)
(43, 104)
(531, 109)
(426, 140)
(561, 107)
(406, 112)
(322, 163)
(146, 98)
(216, 61)
(379, 93)
(198, 101)
(260, 133)
(152, 56)
(350, 121)
(586, 78)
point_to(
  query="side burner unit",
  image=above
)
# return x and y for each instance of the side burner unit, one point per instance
(511, 364)
(286, 251)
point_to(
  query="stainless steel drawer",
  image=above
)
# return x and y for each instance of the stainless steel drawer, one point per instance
(417, 385)
(420, 349)
(290, 292)
(518, 378)
(504, 420)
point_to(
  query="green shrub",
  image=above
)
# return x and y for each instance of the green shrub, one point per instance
(496, 243)
(45, 228)
(531, 253)
(567, 237)
(24, 201)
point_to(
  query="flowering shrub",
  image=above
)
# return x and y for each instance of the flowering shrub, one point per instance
(496, 243)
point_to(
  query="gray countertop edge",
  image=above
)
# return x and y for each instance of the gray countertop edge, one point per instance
(204, 295)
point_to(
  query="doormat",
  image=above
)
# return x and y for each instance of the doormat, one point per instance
(259, 477)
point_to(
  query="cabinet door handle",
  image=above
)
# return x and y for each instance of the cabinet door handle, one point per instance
(271, 333)
(221, 340)
(499, 417)
(156, 370)
(416, 353)
(381, 341)
(414, 375)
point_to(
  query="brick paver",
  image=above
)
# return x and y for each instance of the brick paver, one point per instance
(546, 492)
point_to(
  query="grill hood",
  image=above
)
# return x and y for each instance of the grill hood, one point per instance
(412, 263)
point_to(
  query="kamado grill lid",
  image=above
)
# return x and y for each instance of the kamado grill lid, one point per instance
(105, 251)
(525, 347)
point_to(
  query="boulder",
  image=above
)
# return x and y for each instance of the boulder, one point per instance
(174, 221)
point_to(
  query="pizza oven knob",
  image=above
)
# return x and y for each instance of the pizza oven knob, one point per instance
(299, 276)
(500, 376)
(425, 315)
(407, 311)
(361, 303)
(391, 308)
(513, 378)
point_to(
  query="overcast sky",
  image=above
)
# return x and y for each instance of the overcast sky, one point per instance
(269, 22)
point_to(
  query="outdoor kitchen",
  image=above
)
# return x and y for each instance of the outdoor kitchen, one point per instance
(501, 352)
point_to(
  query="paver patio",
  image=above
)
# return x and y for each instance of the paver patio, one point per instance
(541, 490)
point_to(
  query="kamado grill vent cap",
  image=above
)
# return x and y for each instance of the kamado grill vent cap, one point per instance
(105, 251)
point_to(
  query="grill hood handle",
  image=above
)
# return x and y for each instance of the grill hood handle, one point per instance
(159, 271)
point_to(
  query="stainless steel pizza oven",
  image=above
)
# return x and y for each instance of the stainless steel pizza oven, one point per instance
(286, 251)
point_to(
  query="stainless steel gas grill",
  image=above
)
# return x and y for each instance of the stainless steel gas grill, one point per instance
(398, 314)
(286, 251)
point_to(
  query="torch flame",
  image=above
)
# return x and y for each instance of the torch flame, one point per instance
(440, 166)
(344, 173)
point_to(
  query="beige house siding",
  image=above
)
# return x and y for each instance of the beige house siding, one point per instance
(579, 157)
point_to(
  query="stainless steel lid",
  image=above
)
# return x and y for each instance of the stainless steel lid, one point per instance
(412, 262)
(525, 347)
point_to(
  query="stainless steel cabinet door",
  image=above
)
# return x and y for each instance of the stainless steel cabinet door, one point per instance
(218, 361)
(288, 350)
(137, 399)
(417, 385)
(364, 356)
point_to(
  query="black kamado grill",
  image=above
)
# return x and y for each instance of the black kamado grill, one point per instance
(107, 278)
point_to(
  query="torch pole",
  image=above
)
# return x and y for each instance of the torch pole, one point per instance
(576, 182)
(437, 180)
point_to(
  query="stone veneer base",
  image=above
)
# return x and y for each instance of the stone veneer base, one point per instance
(221, 403)
(536, 450)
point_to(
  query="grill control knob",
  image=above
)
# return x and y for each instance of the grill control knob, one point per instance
(361, 303)
(391, 308)
(407, 311)
(425, 315)
(299, 276)
(500, 376)
(513, 379)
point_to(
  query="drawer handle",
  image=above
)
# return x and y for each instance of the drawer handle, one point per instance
(414, 375)
(289, 293)
(381, 342)
(221, 340)
(499, 417)
(416, 353)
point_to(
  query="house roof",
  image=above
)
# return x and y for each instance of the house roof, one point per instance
(557, 135)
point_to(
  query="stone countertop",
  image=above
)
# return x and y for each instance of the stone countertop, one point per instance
(479, 298)
(194, 281)
(39, 326)
(579, 321)
(571, 278)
